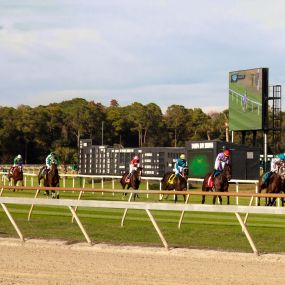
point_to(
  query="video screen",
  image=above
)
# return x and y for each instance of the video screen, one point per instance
(247, 90)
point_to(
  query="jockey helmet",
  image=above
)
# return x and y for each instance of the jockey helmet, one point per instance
(136, 157)
(52, 154)
(182, 156)
(19, 156)
(226, 152)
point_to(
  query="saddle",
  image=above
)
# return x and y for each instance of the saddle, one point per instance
(210, 181)
(265, 178)
(171, 178)
(128, 178)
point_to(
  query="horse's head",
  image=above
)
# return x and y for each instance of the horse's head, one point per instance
(228, 172)
(53, 165)
(184, 172)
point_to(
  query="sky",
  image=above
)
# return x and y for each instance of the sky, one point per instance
(149, 51)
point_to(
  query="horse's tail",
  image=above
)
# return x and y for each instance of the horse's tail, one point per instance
(123, 180)
(39, 179)
(10, 173)
(166, 177)
(40, 175)
(205, 182)
(163, 178)
(263, 182)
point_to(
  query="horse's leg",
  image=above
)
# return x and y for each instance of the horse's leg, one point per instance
(203, 199)
(268, 200)
(220, 200)
(259, 191)
(136, 195)
(14, 183)
(123, 186)
(270, 189)
(125, 194)
(175, 198)
(272, 201)
(214, 200)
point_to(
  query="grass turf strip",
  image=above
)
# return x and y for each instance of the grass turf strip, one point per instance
(199, 230)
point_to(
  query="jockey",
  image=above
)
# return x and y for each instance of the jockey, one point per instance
(277, 163)
(134, 164)
(180, 163)
(49, 158)
(222, 159)
(18, 161)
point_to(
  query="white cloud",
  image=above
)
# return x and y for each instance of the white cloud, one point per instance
(27, 42)
(150, 51)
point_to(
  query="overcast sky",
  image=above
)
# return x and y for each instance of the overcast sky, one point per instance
(161, 51)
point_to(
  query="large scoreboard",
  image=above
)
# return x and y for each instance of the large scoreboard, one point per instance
(248, 93)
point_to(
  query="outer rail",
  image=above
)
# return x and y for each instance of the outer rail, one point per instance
(71, 204)
(189, 192)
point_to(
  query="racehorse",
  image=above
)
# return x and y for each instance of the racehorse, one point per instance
(50, 178)
(133, 181)
(276, 184)
(220, 184)
(172, 182)
(16, 173)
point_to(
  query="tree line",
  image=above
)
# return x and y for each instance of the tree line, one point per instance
(58, 127)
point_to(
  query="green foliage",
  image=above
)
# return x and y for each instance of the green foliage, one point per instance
(34, 132)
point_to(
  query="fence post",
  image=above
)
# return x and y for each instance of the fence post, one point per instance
(256, 191)
(12, 222)
(113, 186)
(237, 189)
(147, 188)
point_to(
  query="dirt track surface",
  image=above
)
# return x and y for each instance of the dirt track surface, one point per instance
(55, 262)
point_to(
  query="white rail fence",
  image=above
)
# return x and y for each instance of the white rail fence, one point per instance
(253, 105)
(73, 204)
(31, 179)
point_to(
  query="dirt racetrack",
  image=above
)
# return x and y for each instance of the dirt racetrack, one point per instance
(55, 262)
